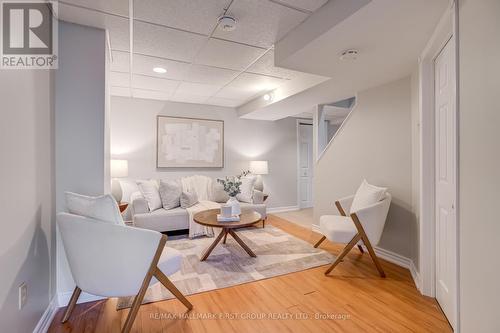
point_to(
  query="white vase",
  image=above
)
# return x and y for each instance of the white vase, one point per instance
(235, 205)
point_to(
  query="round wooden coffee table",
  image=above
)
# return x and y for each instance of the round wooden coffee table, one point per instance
(209, 218)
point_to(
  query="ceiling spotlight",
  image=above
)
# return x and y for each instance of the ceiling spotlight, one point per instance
(268, 97)
(226, 23)
(349, 55)
(160, 70)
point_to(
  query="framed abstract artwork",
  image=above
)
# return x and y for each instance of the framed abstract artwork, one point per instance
(189, 143)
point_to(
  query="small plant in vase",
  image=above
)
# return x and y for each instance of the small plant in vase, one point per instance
(232, 188)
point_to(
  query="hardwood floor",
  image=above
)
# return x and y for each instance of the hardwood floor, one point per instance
(352, 299)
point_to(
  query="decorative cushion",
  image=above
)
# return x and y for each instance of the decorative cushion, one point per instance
(103, 208)
(218, 193)
(367, 195)
(150, 192)
(246, 188)
(128, 188)
(188, 199)
(170, 193)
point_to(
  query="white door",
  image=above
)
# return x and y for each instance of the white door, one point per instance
(446, 175)
(305, 165)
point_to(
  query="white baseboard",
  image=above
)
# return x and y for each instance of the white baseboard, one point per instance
(64, 297)
(416, 276)
(282, 209)
(46, 319)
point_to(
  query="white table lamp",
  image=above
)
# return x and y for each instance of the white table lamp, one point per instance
(259, 168)
(119, 169)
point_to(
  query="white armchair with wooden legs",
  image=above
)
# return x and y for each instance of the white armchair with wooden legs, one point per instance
(364, 226)
(113, 260)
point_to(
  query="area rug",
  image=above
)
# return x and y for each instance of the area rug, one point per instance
(278, 253)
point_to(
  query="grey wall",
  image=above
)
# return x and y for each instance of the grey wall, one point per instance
(79, 122)
(479, 165)
(27, 236)
(133, 137)
(373, 144)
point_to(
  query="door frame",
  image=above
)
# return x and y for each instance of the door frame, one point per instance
(447, 30)
(298, 122)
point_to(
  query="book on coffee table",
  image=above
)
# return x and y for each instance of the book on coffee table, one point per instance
(232, 218)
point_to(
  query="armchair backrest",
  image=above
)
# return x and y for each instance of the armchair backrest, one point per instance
(107, 259)
(373, 218)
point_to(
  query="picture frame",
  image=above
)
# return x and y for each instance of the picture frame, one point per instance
(183, 142)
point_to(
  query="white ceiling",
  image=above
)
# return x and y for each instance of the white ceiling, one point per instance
(204, 64)
(389, 34)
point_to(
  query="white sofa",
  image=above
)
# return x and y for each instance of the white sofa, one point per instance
(177, 218)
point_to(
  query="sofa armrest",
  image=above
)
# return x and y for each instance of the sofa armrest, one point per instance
(139, 205)
(258, 197)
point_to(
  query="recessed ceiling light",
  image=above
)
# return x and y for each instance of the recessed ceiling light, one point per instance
(349, 55)
(268, 97)
(160, 70)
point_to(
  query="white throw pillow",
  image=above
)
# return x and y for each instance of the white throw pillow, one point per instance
(170, 193)
(188, 199)
(246, 189)
(150, 192)
(367, 195)
(129, 187)
(103, 208)
(218, 193)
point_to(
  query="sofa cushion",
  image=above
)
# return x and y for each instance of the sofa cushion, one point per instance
(150, 192)
(163, 219)
(188, 199)
(170, 193)
(218, 193)
(102, 208)
(367, 195)
(246, 188)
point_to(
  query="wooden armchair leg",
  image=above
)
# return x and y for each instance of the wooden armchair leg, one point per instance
(361, 249)
(345, 251)
(320, 241)
(368, 245)
(172, 288)
(71, 304)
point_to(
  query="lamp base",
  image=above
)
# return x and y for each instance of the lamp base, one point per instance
(116, 190)
(259, 184)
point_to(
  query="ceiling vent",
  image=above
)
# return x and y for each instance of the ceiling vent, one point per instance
(227, 23)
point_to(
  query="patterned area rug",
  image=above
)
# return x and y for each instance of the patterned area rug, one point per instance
(228, 265)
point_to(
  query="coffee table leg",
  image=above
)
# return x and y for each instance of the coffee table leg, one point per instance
(225, 236)
(212, 246)
(243, 245)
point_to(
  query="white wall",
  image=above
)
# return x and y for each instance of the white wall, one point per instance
(133, 137)
(374, 143)
(79, 123)
(27, 225)
(415, 169)
(479, 165)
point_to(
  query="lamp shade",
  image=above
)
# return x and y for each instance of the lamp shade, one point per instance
(119, 168)
(259, 167)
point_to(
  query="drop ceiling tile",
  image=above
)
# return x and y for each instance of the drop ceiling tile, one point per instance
(197, 89)
(229, 55)
(210, 75)
(265, 65)
(166, 43)
(153, 83)
(188, 98)
(232, 103)
(144, 65)
(257, 83)
(120, 91)
(121, 61)
(260, 22)
(117, 79)
(310, 5)
(151, 94)
(118, 26)
(118, 7)
(235, 93)
(198, 16)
